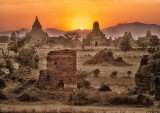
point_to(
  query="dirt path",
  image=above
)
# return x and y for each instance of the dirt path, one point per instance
(52, 107)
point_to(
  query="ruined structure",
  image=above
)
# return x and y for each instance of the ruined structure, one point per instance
(37, 35)
(60, 72)
(147, 82)
(95, 37)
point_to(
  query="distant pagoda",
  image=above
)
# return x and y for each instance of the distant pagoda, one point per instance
(96, 37)
(36, 25)
(37, 35)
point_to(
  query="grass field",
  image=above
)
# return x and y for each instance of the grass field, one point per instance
(120, 83)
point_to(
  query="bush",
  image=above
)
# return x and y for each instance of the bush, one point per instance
(119, 59)
(81, 98)
(123, 101)
(27, 98)
(27, 57)
(129, 73)
(96, 72)
(104, 88)
(83, 84)
(1, 73)
(18, 90)
(143, 100)
(113, 74)
(2, 96)
(2, 83)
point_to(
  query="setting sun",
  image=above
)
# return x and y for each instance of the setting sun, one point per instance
(81, 28)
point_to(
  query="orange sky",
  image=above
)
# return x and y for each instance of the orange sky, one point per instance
(75, 14)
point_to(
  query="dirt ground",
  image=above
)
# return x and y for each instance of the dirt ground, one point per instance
(120, 84)
(54, 108)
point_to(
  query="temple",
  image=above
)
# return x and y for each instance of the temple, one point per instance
(37, 35)
(95, 37)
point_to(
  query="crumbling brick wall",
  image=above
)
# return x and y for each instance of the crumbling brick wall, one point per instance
(61, 70)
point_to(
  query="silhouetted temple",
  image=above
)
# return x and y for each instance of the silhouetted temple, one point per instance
(95, 37)
(37, 35)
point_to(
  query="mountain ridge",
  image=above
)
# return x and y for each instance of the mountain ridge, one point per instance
(137, 29)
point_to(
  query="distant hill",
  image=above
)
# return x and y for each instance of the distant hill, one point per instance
(136, 28)
(23, 31)
(54, 32)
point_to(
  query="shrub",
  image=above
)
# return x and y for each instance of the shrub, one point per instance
(113, 74)
(2, 83)
(143, 100)
(2, 96)
(129, 73)
(83, 84)
(27, 98)
(119, 59)
(123, 101)
(18, 90)
(104, 88)
(96, 72)
(81, 98)
(27, 57)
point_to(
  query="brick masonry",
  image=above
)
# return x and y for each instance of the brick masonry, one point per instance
(60, 72)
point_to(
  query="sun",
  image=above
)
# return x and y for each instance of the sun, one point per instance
(81, 28)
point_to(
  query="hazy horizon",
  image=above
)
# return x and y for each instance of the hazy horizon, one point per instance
(75, 14)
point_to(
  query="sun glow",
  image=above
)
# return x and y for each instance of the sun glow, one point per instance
(81, 28)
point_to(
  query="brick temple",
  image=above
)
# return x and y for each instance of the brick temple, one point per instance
(61, 71)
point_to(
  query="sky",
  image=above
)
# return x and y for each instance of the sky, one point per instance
(74, 14)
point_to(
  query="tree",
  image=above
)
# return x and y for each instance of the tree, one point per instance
(71, 38)
(153, 42)
(27, 57)
(125, 44)
(16, 43)
(7, 59)
(142, 43)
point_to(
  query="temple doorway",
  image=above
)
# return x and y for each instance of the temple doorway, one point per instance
(96, 43)
(60, 84)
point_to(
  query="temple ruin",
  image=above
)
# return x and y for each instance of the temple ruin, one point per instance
(61, 71)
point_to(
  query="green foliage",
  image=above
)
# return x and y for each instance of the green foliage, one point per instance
(125, 44)
(27, 57)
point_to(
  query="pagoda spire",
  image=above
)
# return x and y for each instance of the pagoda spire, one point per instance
(36, 25)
